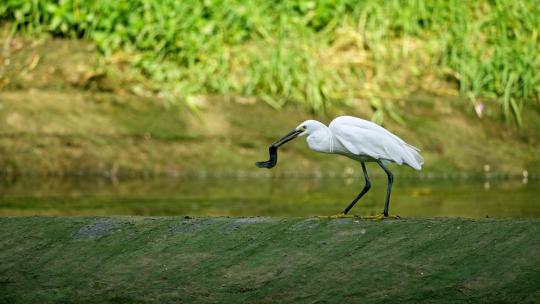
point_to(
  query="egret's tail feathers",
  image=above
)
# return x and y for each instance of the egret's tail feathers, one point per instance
(415, 149)
(413, 158)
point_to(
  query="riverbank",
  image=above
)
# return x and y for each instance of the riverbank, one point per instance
(264, 260)
(94, 133)
(64, 112)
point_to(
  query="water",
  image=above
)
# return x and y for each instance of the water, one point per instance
(267, 197)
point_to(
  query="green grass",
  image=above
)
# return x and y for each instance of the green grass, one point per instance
(317, 54)
(264, 260)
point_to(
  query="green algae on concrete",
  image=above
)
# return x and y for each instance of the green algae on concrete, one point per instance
(267, 260)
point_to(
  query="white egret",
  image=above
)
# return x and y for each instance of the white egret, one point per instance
(358, 139)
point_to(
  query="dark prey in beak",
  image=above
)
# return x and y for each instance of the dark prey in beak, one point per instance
(273, 149)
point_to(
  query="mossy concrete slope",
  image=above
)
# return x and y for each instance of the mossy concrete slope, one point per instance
(267, 260)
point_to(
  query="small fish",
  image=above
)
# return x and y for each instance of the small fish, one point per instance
(272, 161)
(274, 146)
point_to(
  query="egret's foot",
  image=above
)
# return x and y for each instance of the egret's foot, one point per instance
(342, 215)
(380, 217)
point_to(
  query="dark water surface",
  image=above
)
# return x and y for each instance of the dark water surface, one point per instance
(412, 197)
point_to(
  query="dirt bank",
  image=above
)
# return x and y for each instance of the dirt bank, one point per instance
(64, 111)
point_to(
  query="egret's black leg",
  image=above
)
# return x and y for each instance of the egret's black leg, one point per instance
(389, 189)
(364, 191)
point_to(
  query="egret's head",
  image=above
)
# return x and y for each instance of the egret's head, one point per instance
(309, 127)
(305, 128)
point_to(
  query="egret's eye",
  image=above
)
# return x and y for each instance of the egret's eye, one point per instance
(304, 127)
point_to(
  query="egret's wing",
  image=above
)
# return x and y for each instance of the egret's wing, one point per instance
(365, 124)
(360, 141)
(361, 137)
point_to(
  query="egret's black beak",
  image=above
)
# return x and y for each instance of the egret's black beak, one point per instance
(290, 136)
(273, 149)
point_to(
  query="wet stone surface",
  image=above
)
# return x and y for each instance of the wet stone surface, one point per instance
(192, 225)
(342, 221)
(306, 224)
(231, 227)
(99, 228)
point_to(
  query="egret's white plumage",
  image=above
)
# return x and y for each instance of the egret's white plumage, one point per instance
(360, 140)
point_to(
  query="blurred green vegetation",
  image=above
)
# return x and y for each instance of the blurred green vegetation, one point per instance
(312, 53)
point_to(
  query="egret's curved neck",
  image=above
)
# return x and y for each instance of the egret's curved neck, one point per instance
(330, 139)
(322, 140)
